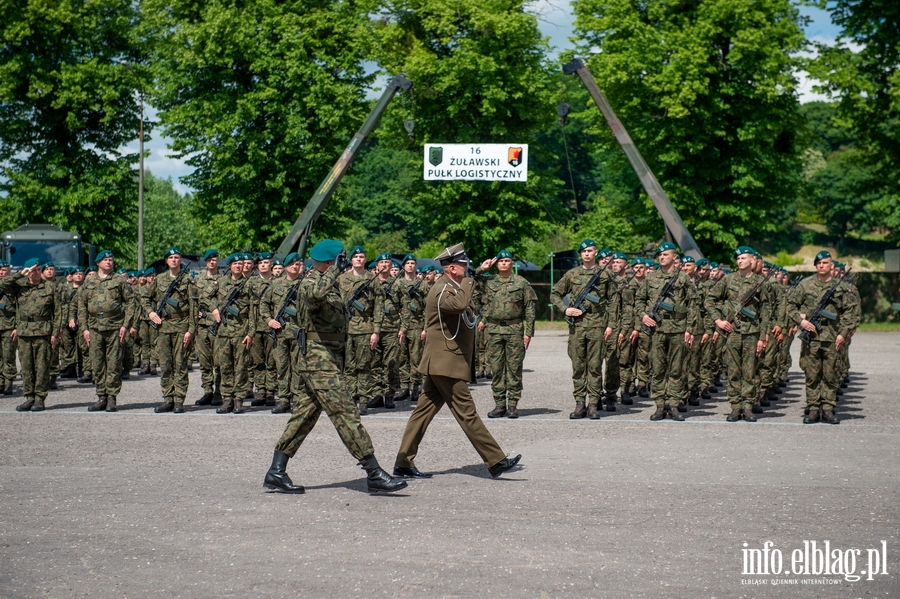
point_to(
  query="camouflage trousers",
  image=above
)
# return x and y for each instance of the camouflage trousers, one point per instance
(387, 362)
(8, 369)
(204, 345)
(358, 374)
(845, 359)
(784, 358)
(149, 340)
(68, 349)
(692, 366)
(106, 358)
(768, 363)
(263, 361)
(642, 360)
(505, 355)
(84, 354)
(231, 359)
(127, 352)
(586, 352)
(410, 356)
(290, 385)
(709, 355)
(740, 361)
(323, 389)
(667, 386)
(611, 378)
(173, 366)
(627, 355)
(481, 339)
(34, 354)
(821, 365)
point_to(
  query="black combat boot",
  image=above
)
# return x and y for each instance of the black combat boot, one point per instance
(167, 406)
(26, 406)
(659, 414)
(512, 412)
(270, 400)
(69, 372)
(86, 377)
(389, 400)
(704, 394)
(401, 395)
(361, 408)
(414, 395)
(676, 414)
(610, 403)
(153, 370)
(734, 416)
(227, 406)
(53, 384)
(748, 414)
(216, 400)
(206, 400)
(99, 405)
(580, 411)
(626, 397)
(764, 398)
(375, 402)
(694, 399)
(259, 400)
(283, 407)
(812, 417)
(38, 405)
(828, 417)
(8, 388)
(277, 479)
(378, 480)
(497, 412)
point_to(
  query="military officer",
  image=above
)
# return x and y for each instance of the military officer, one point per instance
(38, 320)
(171, 305)
(590, 327)
(448, 366)
(320, 327)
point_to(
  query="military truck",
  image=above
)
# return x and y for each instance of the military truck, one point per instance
(47, 243)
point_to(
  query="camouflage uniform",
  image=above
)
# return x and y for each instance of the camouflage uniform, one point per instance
(586, 343)
(412, 323)
(230, 356)
(262, 359)
(67, 344)
(387, 352)
(76, 313)
(667, 346)
(359, 355)
(626, 351)
(38, 317)
(207, 291)
(182, 318)
(751, 326)
(8, 369)
(708, 350)
(284, 348)
(149, 336)
(768, 360)
(819, 359)
(508, 311)
(105, 305)
(323, 313)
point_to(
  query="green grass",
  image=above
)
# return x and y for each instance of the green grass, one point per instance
(880, 327)
(783, 258)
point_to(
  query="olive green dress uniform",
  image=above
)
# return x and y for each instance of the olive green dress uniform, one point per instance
(106, 305)
(508, 310)
(207, 288)
(586, 344)
(387, 352)
(412, 323)
(740, 356)
(262, 360)
(667, 346)
(38, 317)
(322, 312)
(181, 319)
(361, 382)
(448, 366)
(230, 355)
(819, 359)
(8, 368)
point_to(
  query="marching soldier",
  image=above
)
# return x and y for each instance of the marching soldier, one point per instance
(591, 326)
(171, 305)
(508, 312)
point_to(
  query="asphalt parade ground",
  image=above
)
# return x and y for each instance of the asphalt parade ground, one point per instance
(137, 504)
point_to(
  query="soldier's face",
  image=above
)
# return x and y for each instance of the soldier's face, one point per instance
(429, 277)
(247, 266)
(639, 271)
(605, 261)
(689, 268)
(744, 261)
(589, 254)
(294, 268)
(237, 268)
(825, 267)
(409, 267)
(106, 264)
(504, 264)
(667, 258)
(4, 272)
(277, 270)
(383, 265)
(618, 265)
(77, 277)
(395, 271)
(173, 261)
(264, 266)
(212, 263)
(49, 273)
(358, 260)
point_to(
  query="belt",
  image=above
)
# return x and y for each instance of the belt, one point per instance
(506, 322)
(38, 318)
(112, 314)
(673, 316)
(314, 336)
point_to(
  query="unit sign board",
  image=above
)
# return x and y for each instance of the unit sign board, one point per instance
(476, 162)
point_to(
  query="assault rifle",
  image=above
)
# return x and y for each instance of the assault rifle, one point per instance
(167, 300)
(819, 313)
(743, 306)
(660, 302)
(285, 308)
(388, 291)
(586, 295)
(353, 302)
(414, 291)
(228, 307)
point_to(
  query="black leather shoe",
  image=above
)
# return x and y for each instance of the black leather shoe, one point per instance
(411, 472)
(206, 400)
(497, 412)
(216, 400)
(626, 398)
(277, 479)
(270, 401)
(705, 393)
(504, 465)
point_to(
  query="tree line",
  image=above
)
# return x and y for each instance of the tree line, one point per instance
(261, 97)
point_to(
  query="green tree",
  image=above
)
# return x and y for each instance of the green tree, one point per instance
(66, 107)
(478, 77)
(169, 220)
(707, 91)
(261, 98)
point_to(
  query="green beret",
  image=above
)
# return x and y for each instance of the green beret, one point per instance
(149, 272)
(604, 253)
(121, 271)
(277, 262)
(666, 246)
(47, 265)
(395, 264)
(263, 256)
(384, 256)
(744, 249)
(77, 270)
(637, 261)
(67, 271)
(768, 265)
(504, 254)
(586, 244)
(3, 263)
(131, 273)
(727, 271)
(839, 265)
(702, 262)
(713, 265)
(103, 255)
(619, 256)
(326, 250)
(291, 258)
(236, 257)
(357, 249)
(91, 269)
(172, 251)
(211, 253)
(32, 262)
(247, 256)
(409, 257)
(688, 259)
(821, 256)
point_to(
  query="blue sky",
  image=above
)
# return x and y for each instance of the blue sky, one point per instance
(555, 22)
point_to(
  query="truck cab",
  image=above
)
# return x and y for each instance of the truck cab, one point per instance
(47, 243)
